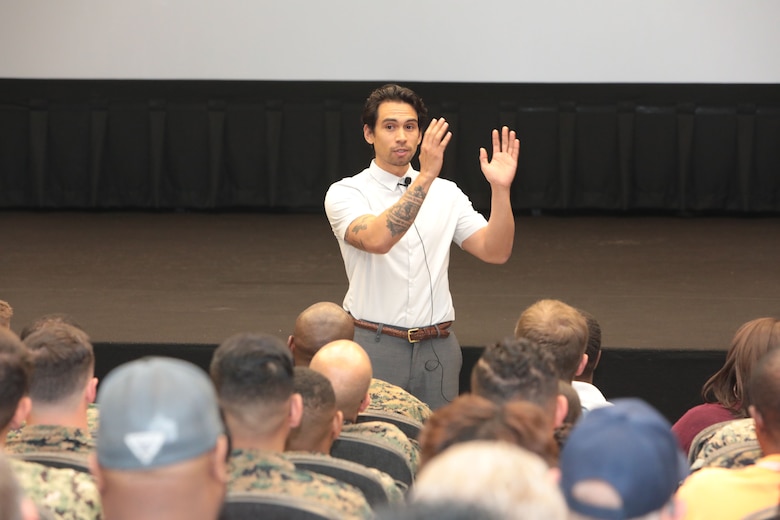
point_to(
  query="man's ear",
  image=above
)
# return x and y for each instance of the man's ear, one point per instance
(23, 408)
(368, 134)
(338, 423)
(91, 391)
(296, 410)
(757, 417)
(364, 403)
(219, 459)
(561, 409)
(581, 367)
(291, 343)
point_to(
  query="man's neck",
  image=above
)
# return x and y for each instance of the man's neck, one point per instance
(55, 416)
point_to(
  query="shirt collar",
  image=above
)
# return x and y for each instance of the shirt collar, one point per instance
(387, 179)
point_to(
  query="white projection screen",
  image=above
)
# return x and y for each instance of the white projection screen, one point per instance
(506, 41)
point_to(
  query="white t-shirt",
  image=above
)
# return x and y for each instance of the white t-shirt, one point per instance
(408, 286)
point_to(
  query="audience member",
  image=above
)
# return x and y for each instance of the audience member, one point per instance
(253, 374)
(752, 491)
(348, 368)
(471, 417)
(61, 389)
(503, 478)
(561, 329)
(724, 392)
(6, 313)
(161, 444)
(622, 462)
(323, 322)
(321, 424)
(519, 369)
(70, 494)
(13, 504)
(63, 319)
(590, 396)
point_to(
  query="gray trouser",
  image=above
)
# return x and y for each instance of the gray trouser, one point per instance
(429, 370)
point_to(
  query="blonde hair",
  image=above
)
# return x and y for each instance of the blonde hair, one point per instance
(559, 327)
(502, 478)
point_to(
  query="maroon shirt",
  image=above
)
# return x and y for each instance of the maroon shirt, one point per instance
(698, 418)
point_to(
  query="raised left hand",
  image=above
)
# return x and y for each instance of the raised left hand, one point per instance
(500, 170)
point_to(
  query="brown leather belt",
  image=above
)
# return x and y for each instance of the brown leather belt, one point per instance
(414, 335)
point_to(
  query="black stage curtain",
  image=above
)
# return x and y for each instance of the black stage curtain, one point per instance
(97, 144)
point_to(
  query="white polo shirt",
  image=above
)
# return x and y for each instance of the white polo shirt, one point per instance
(409, 286)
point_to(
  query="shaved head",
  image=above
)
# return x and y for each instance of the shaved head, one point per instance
(316, 326)
(348, 368)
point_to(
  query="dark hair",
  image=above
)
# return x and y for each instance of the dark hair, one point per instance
(728, 385)
(249, 368)
(763, 390)
(593, 348)
(315, 389)
(15, 370)
(392, 92)
(516, 368)
(63, 360)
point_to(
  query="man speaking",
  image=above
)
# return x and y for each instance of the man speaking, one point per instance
(394, 226)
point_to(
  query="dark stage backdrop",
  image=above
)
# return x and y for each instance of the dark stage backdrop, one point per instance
(670, 380)
(273, 145)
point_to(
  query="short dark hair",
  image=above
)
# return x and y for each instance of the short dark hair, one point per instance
(63, 360)
(315, 389)
(15, 371)
(593, 348)
(393, 92)
(250, 367)
(763, 390)
(516, 368)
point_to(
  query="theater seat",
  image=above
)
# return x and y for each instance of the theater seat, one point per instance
(253, 506)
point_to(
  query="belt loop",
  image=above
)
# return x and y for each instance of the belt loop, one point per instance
(438, 332)
(378, 336)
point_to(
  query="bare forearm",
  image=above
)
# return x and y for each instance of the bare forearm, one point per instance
(500, 231)
(379, 233)
(493, 243)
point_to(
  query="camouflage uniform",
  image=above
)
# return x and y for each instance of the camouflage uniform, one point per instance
(51, 439)
(387, 397)
(390, 434)
(394, 494)
(734, 445)
(254, 470)
(69, 494)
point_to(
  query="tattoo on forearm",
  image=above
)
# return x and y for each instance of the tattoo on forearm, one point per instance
(403, 212)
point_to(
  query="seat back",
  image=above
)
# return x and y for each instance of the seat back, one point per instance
(55, 460)
(270, 506)
(344, 470)
(407, 425)
(374, 454)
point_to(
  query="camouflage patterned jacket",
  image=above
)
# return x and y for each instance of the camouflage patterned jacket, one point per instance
(733, 445)
(387, 397)
(390, 434)
(49, 438)
(254, 470)
(70, 495)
